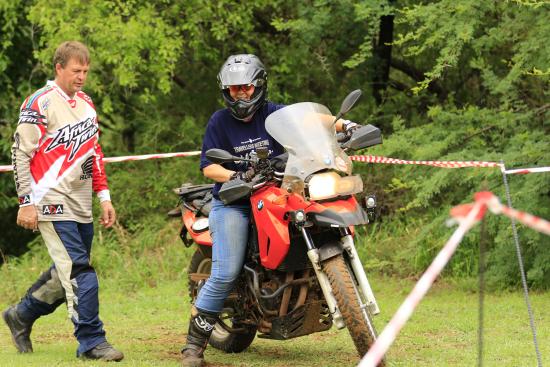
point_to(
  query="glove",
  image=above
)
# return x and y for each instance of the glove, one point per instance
(245, 176)
(349, 126)
(279, 162)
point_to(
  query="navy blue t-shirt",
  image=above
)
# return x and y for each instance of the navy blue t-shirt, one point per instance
(238, 137)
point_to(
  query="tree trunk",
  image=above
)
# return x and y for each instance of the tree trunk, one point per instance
(382, 58)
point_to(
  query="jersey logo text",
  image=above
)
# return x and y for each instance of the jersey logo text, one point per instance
(52, 209)
(76, 135)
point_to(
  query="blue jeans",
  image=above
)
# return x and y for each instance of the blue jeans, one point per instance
(229, 231)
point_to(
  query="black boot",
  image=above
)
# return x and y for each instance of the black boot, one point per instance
(104, 352)
(201, 325)
(20, 330)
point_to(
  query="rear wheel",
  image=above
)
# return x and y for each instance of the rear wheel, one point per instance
(222, 339)
(357, 320)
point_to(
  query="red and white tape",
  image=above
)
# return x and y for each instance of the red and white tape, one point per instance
(447, 164)
(149, 156)
(529, 220)
(441, 164)
(466, 215)
(130, 158)
(523, 171)
(358, 158)
(405, 311)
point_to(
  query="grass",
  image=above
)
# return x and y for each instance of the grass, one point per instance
(145, 308)
(149, 325)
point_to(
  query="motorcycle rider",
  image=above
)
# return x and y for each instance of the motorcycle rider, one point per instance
(239, 129)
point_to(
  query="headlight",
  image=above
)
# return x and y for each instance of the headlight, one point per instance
(330, 184)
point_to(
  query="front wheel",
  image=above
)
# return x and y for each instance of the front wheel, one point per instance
(357, 320)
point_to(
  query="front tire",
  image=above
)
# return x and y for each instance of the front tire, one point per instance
(347, 296)
(229, 342)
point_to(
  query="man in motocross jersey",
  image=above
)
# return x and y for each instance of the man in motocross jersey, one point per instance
(57, 164)
(239, 129)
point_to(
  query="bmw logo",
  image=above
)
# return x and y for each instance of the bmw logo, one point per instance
(260, 204)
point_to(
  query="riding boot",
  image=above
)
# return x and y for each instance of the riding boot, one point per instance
(201, 325)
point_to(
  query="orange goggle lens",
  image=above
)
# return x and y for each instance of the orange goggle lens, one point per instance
(243, 87)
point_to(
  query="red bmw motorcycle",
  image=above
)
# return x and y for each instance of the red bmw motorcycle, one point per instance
(302, 272)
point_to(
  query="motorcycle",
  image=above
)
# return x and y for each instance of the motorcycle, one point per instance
(302, 273)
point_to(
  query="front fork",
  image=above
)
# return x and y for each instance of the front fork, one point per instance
(357, 268)
(359, 271)
(313, 255)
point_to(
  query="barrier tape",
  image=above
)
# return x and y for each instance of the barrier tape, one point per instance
(358, 158)
(467, 216)
(448, 164)
(149, 156)
(441, 164)
(523, 171)
(130, 158)
(529, 220)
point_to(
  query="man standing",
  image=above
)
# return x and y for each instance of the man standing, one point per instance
(57, 163)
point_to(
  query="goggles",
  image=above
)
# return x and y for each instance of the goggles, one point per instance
(245, 87)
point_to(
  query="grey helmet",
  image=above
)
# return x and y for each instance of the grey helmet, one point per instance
(238, 70)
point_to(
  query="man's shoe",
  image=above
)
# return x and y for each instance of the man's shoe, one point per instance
(192, 356)
(104, 352)
(20, 330)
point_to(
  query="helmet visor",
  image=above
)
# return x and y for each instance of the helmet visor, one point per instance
(244, 86)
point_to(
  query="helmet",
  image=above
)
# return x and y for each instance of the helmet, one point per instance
(243, 69)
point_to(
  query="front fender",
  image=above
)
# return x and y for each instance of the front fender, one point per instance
(330, 250)
(338, 213)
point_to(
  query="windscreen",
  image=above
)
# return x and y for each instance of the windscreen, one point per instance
(306, 130)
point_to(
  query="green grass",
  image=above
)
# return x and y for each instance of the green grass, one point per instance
(149, 325)
(145, 308)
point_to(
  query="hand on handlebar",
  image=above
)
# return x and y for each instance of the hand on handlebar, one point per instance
(246, 176)
(349, 127)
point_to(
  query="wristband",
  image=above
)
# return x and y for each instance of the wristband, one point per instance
(104, 195)
(25, 200)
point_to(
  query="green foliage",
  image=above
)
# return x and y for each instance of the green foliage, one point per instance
(469, 80)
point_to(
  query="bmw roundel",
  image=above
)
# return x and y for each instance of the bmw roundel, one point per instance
(260, 205)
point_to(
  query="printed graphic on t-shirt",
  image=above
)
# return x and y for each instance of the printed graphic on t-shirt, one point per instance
(52, 209)
(87, 168)
(76, 135)
(30, 116)
(251, 144)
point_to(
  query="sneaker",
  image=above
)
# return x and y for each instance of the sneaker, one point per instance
(104, 352)
(20, 330)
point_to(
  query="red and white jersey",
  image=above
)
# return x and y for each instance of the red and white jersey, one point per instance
(56, 156)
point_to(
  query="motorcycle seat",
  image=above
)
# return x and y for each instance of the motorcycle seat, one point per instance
(189, 192)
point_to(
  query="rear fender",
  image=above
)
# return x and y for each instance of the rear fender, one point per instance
(201, 238)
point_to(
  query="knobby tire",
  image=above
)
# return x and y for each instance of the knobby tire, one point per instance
(346, 292)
